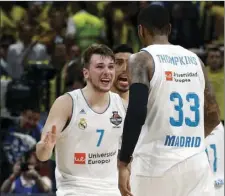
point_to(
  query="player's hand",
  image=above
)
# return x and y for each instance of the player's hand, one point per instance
(16, 169)
(33, 174)
(124, 180)
(50, 138)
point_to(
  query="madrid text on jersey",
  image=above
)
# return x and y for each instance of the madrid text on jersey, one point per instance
(177, 60)
(182, 141)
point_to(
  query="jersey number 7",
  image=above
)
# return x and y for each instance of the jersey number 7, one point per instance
(101, 134)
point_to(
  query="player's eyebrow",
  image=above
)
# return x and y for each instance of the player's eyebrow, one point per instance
(104, 64)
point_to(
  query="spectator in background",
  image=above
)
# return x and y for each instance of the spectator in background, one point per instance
(5, 42)
(11, 15)
(184, 20)
(74, 78)
(29, 123)
(89, 28)
(25, 178)
(25, 50)
(216, 76)
(22, 135)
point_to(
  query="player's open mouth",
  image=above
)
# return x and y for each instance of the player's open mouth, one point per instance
(123, 81)
(105, 81)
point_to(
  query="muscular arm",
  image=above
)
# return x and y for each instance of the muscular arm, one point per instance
(211, 108)
(141, 71)
(59, 114)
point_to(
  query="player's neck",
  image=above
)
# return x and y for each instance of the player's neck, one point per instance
(123, 95)
(159, 39)
(94, 97)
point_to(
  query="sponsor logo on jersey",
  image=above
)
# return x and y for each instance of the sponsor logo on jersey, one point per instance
(80, 158)
(82, 112)
(180, 77)
(82, 124)
(116, 119)
(93, 158)
(169, 75)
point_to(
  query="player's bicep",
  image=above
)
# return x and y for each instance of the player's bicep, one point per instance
(59, 114)
(211, 108)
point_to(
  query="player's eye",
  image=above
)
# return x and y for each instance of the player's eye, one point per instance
(111, 66)
(119, 63)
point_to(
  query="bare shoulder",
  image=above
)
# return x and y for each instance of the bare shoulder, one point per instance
(60, 113)
(64, 101)
(141, 67)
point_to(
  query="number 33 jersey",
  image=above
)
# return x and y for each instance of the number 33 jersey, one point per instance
(174, 126)
(87, 150)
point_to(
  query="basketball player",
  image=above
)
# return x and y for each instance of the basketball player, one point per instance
(85, 126)
(121, 84)
(171, 101)
(215, 152)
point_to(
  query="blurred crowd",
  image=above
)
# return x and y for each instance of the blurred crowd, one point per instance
(41, 44)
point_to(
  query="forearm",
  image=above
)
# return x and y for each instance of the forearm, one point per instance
(43, 153)
(134, 120)
(41, 185)
(7, 184)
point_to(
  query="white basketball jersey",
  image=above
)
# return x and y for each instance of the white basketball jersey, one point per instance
(215, 152)
(87, 150)
(174, 126)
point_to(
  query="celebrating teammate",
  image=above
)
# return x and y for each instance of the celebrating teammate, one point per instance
(121, 83)
(85, 126)
(171, 110)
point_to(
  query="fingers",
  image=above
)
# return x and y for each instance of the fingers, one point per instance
(128, 185)
(125, 189)
(53, 129)
(46, 139)
(125, 192)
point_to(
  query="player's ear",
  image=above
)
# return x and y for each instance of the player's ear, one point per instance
(85, 73)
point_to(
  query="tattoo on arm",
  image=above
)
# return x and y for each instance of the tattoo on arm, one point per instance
(139, 68)
(211, 108)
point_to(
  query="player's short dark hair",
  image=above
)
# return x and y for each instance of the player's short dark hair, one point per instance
(99, 49)
(156, 19)
(123, 48)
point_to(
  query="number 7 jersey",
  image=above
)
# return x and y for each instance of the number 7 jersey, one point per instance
(86, 152)
(174, 126)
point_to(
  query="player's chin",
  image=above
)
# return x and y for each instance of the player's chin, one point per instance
(123, 89)
(105, 88)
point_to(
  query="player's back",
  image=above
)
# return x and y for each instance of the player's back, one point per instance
(86, 153)
(174, 126)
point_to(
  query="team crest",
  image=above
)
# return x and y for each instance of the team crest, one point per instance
(116, 119)
(82, 124)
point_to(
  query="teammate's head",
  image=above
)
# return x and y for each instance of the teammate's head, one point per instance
(99, 67)
(122, 54)
(153, 21)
